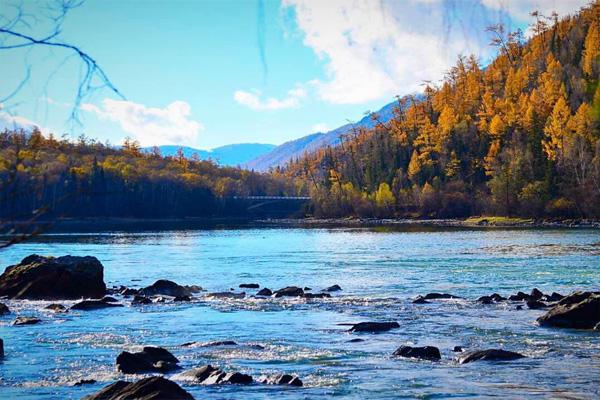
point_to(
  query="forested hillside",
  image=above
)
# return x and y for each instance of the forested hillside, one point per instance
(518, 137)
(46, 177)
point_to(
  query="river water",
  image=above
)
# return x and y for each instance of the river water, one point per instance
(379, 272)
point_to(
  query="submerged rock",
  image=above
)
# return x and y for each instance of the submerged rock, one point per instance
(316, 295)
(458, 349)
(4, 309)
(356, 340)
(129, 291)
(165, 288)
(488, 355)
(87, 305)
(535, 304)
(109, 299)
(334, 288)
(137, 299)
(55, 307)
(373, 326)
(423, 353)
(221, 343)
(264, 292)
(209, 375)
(249, 286)
(47, 278)
(150, 359)
(289, 291)
(281, 379)
(579, 310)
(182, 298)
(153, 388)
(82, 382)
(26, 321)
(420, 300)
(226, 295)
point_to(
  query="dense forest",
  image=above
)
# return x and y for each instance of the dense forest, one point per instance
(519, 137)
(45, 177)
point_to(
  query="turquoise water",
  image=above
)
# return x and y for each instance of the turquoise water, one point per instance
(379, 271)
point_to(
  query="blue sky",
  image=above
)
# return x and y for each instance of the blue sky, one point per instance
(210, 73)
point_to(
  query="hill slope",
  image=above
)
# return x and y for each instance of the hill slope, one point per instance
(229, 155)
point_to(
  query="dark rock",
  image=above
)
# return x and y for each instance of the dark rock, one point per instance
(1, 348)
(182, 298)
(109, 299)
(200, 374)
(289, 291)
(580, 310)
(485, 300)
(82, 382)
(536, 294)
(488, 355)
(356, 340)
(535, 304)
(316, 295)
(249, 286)
(518, 308)
(193, 288)
(373, 326)
(87, 305)
(436, 296)
(46, 278)
(264, 292)
(154, 388)
(227, 295)
(307, 289)
(26, 321)
(520, 296)
(496, 297)
(150, 359)
(166, 288)
(4, 309)
(420, 300)
(137, 299)
(281, 379)
(423, 353)
(221, 343)
(458, 349)
(235, 378)
(554, 297)
(334, 288)
(55, 307)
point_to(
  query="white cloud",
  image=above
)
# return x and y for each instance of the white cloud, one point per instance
(320, 127)
(375, 49)
(151, 126)
(253, 99)
(12, 122)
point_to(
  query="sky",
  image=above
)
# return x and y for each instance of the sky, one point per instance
(210, 73)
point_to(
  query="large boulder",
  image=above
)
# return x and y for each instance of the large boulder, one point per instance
(289, 291)
(48, 278)
(166, 288)
(150, 359)
(373, 327)
(423, 353)
(153, 388)
(488, 355)
(580, 310)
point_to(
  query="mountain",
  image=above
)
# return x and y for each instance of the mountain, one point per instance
(281, 154)
(229, 155)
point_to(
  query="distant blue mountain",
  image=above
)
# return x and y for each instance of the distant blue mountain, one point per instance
(229, 155)
(282, 154)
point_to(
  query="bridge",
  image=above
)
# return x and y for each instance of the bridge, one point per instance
(269, 206)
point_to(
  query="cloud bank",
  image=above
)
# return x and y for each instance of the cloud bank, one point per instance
(149, 125)
(253, 100)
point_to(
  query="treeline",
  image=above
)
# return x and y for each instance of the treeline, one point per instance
(519, 137)
(48, 178)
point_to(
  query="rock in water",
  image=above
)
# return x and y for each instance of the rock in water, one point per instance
(281, 379)
(47, 278)
(579, 310)
(488, 355)
(264, 292)
(423, 353)
(153, 388)
(87, 305)
(4, 309)
(150, 359)
(334, 288)
(249, 286)
(373, 326)
(289, 291)
(56, 307)
(26, 321)
(1, 348)
(165, 288)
